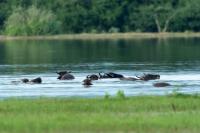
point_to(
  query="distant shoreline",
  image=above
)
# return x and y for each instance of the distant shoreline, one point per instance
(102, 36)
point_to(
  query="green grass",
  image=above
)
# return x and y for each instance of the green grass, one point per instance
(178, 113)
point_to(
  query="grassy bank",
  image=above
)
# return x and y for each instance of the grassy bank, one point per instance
(136, 114)
(91, 36)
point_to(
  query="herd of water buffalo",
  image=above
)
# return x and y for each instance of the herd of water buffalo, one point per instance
(66, 75)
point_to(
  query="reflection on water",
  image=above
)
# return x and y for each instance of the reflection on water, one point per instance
(176, 60)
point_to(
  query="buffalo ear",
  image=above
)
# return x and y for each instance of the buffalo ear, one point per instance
(59, 73)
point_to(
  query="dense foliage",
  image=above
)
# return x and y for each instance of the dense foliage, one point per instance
(96, 16)
(32, 21)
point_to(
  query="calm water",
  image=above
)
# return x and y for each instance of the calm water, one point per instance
(176, 60)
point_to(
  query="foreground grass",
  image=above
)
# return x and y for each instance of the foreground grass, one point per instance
(94, 36)
(134, 114)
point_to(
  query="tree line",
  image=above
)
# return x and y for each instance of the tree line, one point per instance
(41, 17)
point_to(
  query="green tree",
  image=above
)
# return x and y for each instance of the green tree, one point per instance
(3, 13)
(188, 18)
(32, 21)
(76, 16)
(160, 14)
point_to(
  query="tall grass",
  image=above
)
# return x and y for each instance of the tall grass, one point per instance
(175, 113)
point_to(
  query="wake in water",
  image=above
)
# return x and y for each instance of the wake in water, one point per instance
(52, 87)
(184, 81)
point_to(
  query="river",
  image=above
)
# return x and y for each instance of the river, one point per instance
(176, 60)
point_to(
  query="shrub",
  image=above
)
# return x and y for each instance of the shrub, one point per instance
(120, 94)
(93, 31)
(107, 96)
(113, 30)
(32, 21)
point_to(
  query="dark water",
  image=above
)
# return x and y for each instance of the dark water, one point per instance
(176, 60)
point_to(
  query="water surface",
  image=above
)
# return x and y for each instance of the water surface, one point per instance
(176, 60)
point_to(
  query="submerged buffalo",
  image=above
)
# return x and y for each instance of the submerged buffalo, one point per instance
(87, 82)
(110, 75)
(65, 75)
(25, 80)
(147, 77)
(33, 81)
(93, 77)
(161, 84)
(36, 81)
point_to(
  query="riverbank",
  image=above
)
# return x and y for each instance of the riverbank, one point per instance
(171, 114)
(91, 36)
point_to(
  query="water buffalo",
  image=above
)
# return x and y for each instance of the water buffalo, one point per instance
(147, 77)
(93, 77)
(161, 84)
(63, 72)
(65, 75)
(25, 80)
(33, 81)
(87, 82)
(36, 80)
(110, 75)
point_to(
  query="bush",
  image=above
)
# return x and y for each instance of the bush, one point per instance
(107, 96)
(113, 30)
(120, 95)
(94, 31)
(32, 21)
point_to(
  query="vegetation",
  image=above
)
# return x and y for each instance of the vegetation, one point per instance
(32, 21)
(36, 17)
(176, 113)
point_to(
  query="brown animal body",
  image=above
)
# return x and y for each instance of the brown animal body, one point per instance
(33, 81)
(147, 77)
(65, 75)
(36, 80)
(25, 80)
(87, 82)
(93, 77)
(110, 75)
